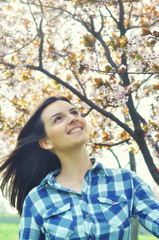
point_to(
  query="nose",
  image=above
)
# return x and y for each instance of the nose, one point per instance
(72, 119)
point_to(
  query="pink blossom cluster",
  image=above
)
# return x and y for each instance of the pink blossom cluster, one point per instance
(101, 3)
(118, 95)
(90, 60)
(144, 56)
(92, 6)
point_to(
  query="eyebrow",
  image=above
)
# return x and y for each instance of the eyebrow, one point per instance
(59, 113)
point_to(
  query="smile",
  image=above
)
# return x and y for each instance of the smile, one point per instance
(75, 130)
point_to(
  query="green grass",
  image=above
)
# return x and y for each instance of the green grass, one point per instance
(147, 237)
(9, 228)
(6, 214)
(9, 231)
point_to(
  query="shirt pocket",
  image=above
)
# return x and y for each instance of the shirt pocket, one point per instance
(58, 222)
(115, 210)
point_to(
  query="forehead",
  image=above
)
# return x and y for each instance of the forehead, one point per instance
(55, 107)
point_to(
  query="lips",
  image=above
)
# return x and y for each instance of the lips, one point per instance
(75, 129)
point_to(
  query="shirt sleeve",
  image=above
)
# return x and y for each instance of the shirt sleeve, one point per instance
(29, 230)
(146, 206)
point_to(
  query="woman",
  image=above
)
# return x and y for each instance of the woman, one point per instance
(60, 193)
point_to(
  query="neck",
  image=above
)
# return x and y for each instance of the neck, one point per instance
(74, 164)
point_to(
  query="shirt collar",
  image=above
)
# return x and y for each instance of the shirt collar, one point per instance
(96, 166)
(49, 177)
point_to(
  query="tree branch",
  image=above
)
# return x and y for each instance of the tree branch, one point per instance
(41, 43)
(102, 25)
(33, 16)
(115, 20)
(87, 113)
(121, 18)
(11, 66)
(111, 145)
(92, 31)
(141, 118)
(85, 99)
(17, 50)
(41, 7)
(130, 16)
(117, 72)
(148, 135)
(107, 51)
(142, 83)
(145, 26)
(115, 157)
(84, 93)
(18, 106)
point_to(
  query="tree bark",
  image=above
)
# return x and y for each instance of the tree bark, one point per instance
(135, 229)
(132, 161)
(146, 154)
(134, 232)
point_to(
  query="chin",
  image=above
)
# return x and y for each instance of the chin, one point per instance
(82, 142)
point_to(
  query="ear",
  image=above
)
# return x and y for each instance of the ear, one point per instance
(45, 143)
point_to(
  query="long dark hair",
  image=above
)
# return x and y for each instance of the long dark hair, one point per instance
(28, 164)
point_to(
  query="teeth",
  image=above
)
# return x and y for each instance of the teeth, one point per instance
(75, 130)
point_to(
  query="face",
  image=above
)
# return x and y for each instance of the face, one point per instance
(65, 128)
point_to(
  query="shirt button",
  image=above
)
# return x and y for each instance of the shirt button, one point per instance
(113, 202)
(86, 178)
(50, 183)
(86, 215)
(82, 197)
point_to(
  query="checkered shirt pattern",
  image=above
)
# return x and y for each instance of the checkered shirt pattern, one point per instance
(103, 210)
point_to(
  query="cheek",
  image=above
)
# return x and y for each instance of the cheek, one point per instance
(54, 133)
(85, 123)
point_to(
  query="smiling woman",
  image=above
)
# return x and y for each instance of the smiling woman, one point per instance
(63, 129)
(61, 193)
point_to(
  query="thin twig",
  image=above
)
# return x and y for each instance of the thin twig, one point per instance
(87, 113)
(41, 43)
(142, 83)
(102, 24)
(33, 16)
(25, 45)
(115, 157)
(84, 93)
(115, 20)
(144, 26)
(111, 145)
(41, 7)
(18, 106)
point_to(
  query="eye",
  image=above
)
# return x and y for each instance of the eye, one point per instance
(75, 112)
(57, 119)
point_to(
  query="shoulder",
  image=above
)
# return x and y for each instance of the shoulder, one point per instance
(123, 173)
(39, 192)
(111, 171)
(124, 176)
(120, 175)
(116, 171)
(127, 177)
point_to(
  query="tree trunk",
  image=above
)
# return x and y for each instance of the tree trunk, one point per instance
(134, 232)
(135, 228)
(146, 154)
(132, 161)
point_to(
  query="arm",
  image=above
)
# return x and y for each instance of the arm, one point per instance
(146, 206)
(29, 230)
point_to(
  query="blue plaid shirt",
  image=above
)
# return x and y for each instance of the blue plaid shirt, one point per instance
(103, 210)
